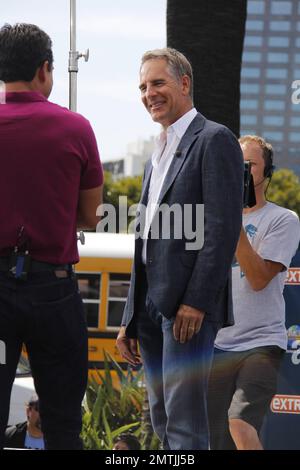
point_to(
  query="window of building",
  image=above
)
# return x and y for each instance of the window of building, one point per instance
(255, 25)
(298, 39)
(279, 42)
(281, 8)
(271, 105)
(273, 120)
(247, 120)
(249, 104)
(118, 291)
(253, 41)
(255, 7)
(295, 107)
(249, 88)
(280, 25)
(294, 136)
(295, 166)
(89, 286)
(276, 136)
(278, 57)
(251, 56)
(293, 158)
(297, 58)
(248, 131)
(295, 121)
(275, 89)
(248, 72)
(277, 73)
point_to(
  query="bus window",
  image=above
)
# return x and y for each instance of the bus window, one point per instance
(89, 286)
(118, 290)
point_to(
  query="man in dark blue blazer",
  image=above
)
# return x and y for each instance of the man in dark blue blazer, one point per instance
(189, 222)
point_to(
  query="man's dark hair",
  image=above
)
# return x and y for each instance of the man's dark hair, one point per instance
(129, 439)
(34, 403)
(23, 49)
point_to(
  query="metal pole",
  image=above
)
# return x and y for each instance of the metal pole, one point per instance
(73, 59)
(74, 56)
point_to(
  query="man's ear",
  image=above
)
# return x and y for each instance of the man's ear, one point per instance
(42, 70)
(186, 85)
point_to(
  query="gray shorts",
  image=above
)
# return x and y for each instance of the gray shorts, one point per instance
(241, 386)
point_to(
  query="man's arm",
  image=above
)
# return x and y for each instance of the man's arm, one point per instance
(89, 200)
(258, 271)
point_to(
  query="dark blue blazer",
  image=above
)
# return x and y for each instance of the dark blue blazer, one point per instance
(207, 168)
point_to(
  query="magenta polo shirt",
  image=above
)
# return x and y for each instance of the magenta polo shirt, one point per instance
(47, 155)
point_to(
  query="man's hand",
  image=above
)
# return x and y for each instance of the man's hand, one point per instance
(128, 348)
(187, 323)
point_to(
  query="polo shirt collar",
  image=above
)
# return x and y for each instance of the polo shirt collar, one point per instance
(24, 96)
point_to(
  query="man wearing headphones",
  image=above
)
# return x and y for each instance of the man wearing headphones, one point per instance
(248, 354)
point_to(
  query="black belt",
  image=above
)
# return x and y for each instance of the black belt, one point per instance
(36, 266)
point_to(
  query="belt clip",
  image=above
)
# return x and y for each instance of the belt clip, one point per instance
(19, 265)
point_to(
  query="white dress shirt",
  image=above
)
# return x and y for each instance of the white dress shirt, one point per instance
(165, 148)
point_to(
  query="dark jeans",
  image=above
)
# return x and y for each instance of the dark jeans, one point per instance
(46, 313)
(176, 378)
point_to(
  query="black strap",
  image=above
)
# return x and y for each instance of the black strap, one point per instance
(36, 266)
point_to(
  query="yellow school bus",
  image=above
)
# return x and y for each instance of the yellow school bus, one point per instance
(103, 275)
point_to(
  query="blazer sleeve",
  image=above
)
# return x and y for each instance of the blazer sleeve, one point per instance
(222, 183)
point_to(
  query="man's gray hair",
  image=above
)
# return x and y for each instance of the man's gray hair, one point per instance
(177, 62)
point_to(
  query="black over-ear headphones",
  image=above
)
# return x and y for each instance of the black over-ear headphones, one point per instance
(269, 167)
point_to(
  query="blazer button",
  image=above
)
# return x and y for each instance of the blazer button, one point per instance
(150, 260)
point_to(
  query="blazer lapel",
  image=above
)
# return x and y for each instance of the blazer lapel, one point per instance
(146, 183)
(181, 153)
(140, 213)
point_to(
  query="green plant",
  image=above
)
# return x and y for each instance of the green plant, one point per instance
(113, 407)
(285, 189)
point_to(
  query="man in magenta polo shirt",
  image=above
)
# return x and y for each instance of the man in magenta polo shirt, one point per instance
(50, 185)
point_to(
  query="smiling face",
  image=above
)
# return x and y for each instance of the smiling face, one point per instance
(165, 97)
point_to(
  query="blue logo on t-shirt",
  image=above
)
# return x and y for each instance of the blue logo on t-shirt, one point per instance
(250, 230)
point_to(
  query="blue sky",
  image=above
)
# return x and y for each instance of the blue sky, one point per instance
(117, 32)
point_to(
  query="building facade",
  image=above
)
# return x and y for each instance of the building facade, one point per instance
(271, 64)
(133, 163)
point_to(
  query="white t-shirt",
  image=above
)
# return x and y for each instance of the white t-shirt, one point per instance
(259, 316)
